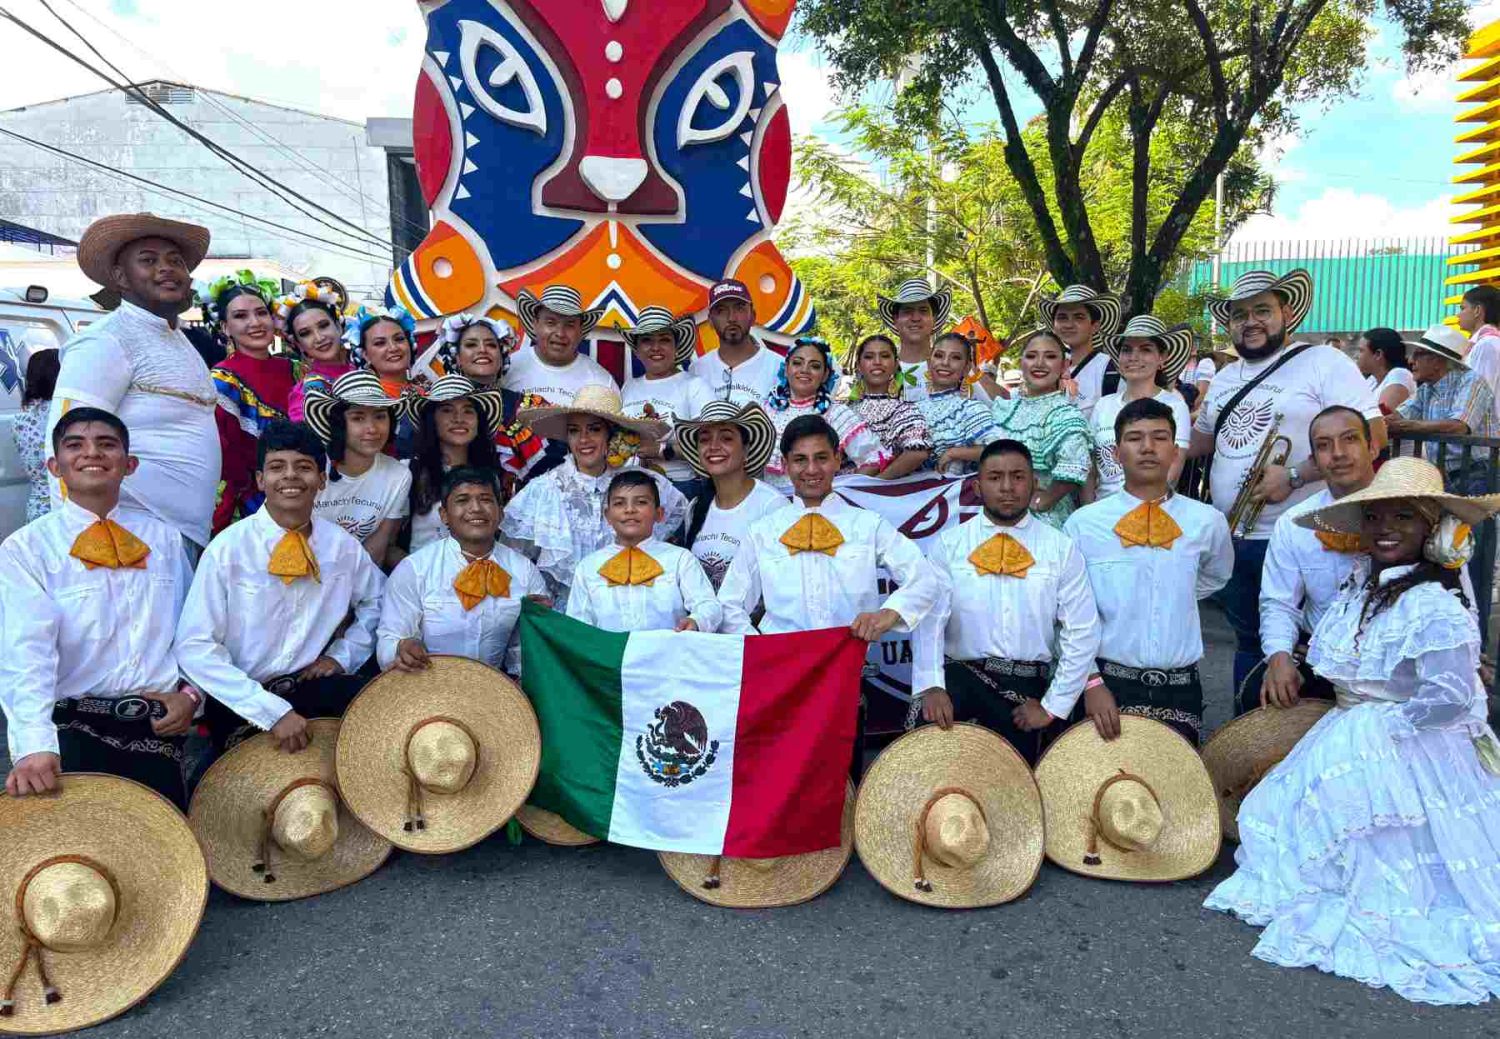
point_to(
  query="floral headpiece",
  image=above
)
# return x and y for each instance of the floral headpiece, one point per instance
(781, 396)
(208, 294)
(301, 293)
(453, 330)
(354, 329)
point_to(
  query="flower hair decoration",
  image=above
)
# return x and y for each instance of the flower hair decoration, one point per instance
(453, 330)
(268, 289)
(355, 328)
(301, 293)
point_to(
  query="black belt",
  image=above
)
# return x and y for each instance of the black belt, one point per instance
(1150, 677)
(122, 709)
(1019, 668)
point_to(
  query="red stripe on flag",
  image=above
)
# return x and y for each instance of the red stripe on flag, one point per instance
(799, 706)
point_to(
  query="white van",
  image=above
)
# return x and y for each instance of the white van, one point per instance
(29, 320)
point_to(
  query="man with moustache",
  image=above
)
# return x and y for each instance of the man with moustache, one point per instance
(742, 370)
(1277, 384)
(551, 368)
(1017, 622)
(137, 364)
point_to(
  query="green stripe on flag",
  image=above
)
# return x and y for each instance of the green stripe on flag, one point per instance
(571, 672)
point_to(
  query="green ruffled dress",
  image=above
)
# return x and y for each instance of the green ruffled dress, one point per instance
(1057, 434)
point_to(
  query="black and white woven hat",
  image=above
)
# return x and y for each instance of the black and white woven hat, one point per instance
(760, 433)
(360, 387)
(1175, 343)
(654, 319)
(560, 299)
(915, 290)
(1295, 288)
(1105, 307)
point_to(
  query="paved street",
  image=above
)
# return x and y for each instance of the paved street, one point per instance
(533, 941)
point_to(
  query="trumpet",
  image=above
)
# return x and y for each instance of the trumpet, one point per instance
(1274, 450)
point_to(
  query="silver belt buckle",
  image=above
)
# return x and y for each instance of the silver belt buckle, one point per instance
(1153, 678)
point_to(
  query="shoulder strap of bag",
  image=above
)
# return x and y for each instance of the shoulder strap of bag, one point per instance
(1081, 365)
(1244, 391)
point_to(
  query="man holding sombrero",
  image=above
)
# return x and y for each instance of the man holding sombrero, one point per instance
(1082, 317)
(549, 365)
(137, 364)
(1451, 400)
(1274, 389)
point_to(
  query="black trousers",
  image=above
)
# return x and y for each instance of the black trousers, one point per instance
(117, 738)
(1314, 687)
(1174, 697)
(318, 698)
(988, 692)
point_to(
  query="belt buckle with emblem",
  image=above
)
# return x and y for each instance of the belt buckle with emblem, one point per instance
(1153, 678)
(132, 708)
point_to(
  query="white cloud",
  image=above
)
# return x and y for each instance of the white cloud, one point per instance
(1426, 91)
(1340, 213)
(1273, 156)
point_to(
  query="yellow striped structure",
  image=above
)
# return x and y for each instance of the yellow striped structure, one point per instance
(1479, 179)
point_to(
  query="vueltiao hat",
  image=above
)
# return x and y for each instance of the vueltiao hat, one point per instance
(437, 760)
(601, 402)
(560, 299)
(1175, 343)
(272, 824)
(1242, 751)
(1404, 477)
(551, 828)
(760, 433)
(951, 819)
(1105, 307)
(915, 290)
(1295, 287)
(656, 319)
(490, 403)
(764, 883)
(361, 388)
(102, 888)
(101, 243)
(1138, 807)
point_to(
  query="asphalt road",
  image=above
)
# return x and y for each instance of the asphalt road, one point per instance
(536, 941)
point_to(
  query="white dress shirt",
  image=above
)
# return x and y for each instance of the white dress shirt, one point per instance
(67, 631)
(1148, 597)
(682, 591)
(134, 365)
(1048, 615)
(242, 626)
(1300, 580)
(812, 590)
(420, 603)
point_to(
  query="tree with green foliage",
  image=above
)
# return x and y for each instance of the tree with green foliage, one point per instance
(1226, 72)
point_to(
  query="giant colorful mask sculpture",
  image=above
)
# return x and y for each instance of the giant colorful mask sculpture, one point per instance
(637, 150)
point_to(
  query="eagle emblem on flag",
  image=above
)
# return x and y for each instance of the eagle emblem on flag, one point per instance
(675, 748)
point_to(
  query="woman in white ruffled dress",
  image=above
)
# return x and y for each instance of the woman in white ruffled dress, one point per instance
(1373, 850)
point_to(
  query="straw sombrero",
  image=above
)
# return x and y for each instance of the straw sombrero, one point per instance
(490, 403)
(950, 819)
(600, 401)
(560, 299)
(437, 760)
(760, 433)
(1104, 306)
(1295, 287)
(359, 388)
(551, 828)
(915, 290)
(101, 243)
(273, 826)
(1175, 343)
(656, 319)
(1399, 478)
(102, 888)
(1137, 807)
(1441, 341)
(1244, 750)
(764, 883)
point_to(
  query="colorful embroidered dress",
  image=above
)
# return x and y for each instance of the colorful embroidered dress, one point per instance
(1057, 434)
(319, 374)
(858, 442)
(956, 420)
(251, 392)
(897, 422)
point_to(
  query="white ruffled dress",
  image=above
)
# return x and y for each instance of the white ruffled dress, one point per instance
(558, 518)
(1373, 850)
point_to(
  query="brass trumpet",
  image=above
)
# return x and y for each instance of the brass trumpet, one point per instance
(1274, 450)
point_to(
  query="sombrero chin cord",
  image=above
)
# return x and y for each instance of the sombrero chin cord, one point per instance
(32, 946)
(919, 847)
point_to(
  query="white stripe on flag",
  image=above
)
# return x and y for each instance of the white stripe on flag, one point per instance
(660, 667)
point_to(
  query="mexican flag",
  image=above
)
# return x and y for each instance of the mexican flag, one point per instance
(681, 741)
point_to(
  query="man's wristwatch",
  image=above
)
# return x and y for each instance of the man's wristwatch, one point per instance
(1295, 478)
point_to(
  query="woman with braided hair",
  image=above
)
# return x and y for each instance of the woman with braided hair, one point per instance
(1373, 849)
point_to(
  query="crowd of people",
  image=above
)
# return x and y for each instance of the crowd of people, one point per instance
(241, 549)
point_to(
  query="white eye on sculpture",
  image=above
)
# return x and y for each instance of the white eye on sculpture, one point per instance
(709, 93)
(511, 69)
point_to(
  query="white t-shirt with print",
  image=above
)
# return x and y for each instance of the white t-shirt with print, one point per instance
(1315, 379)
(1111, 475)
(528, 373)
(724, 529)
(360, 503)
(749, 382)
(676, 398)
(1206, 370)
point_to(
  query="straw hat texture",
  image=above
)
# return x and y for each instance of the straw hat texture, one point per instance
(437, 760)
(915, 290)
(1295, 287)
(1138, 807)
(764, 883)
(551, 828)
(600, 401)
(102, 888)
(1241, 752)
(1175, 343)
(102, 241)
(489, 403)
(655, 319)
(951, 819)
(273, 826)
(560, 299)
(1399, 478)
(1105, 307)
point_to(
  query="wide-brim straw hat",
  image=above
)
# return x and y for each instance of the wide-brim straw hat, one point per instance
(1400, 478)
(601, 402)
(915, 771)
(100, 245)
(372, 759)
(1295, 287)
(1441, 341)
(654, 319)
(1175, 343)
(551, 828)
(1241, 752)
(759, 430)
(560, 299)
(915, 290)
(1080, 762)
(160, 881)
(489, 402)
(1105, 307)
(359, 388)
(764, 883)
(228, 814)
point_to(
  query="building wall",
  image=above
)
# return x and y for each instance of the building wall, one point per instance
(328, 160)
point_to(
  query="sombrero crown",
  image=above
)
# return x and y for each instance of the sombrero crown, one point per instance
(1295, 288)
(490, 403)
(915, 290)
(359, 388)
(101, 243)
(1175, 343)
(601, 402)
(656, 319)
(560, 299)
(759, 430)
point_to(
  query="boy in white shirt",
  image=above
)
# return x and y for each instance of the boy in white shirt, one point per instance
(640, 583)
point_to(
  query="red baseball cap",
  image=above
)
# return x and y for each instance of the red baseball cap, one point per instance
(729, 288)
